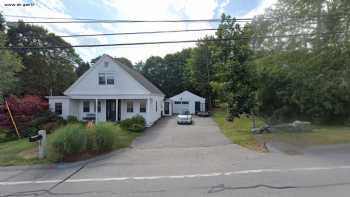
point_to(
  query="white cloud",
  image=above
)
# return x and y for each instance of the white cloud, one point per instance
(55, 8)
(260, 9)
(222, 6)
(158, 10)
(129, 9)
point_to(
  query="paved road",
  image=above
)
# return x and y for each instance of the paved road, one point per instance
(196, 160)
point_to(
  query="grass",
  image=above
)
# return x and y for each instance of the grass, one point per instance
(238, 131)
(21, 152)
(320, 135)
(11, 153)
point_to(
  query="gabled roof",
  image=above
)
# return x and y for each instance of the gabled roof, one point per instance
(131, 71)
(186, 93)
(140, 78)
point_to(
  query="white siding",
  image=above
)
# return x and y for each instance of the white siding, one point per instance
(65, 105)
(88, 83)
(189, 97)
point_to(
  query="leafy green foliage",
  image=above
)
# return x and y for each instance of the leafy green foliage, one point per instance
(10, 65)
(67, 141)
(304, 77)
(45, 71)
(170, 73)
(72, 119)
(82, 68)
(201, 68)
(75, 140)
(136, 123)
(105, 136)
(232, 58)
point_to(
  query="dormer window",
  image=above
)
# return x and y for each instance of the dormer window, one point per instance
(106, 78)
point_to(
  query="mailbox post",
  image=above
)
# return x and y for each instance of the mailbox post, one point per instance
(41, 140)
(42, 144)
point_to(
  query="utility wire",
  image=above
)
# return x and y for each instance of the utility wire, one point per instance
(140, 32)
(90, 20)
(170, 42)
(136, 21)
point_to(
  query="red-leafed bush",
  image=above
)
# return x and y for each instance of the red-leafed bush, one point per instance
(24, 111)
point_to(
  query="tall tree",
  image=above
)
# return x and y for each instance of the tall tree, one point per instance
(124, 61)
(304, 76)
(233, 55)
(46, 71)
(82, 68)
(202, 70)
(170, 73)
(10, 65)
(2, 23)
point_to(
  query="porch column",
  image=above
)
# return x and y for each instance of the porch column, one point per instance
(148, 109)
(96, 113)
(116, 110)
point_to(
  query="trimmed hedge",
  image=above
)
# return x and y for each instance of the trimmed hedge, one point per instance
(76, 140)
(105, 136)
(67, 141)
(136, 123)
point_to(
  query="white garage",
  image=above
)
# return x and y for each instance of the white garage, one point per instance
(186, 101)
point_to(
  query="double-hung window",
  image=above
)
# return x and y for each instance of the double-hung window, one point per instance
(142, 106)
(129, 106)
(86, 106)
(58, 108)
(106, 78)
(102, 79)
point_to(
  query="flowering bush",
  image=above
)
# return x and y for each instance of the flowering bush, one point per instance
(24, 111)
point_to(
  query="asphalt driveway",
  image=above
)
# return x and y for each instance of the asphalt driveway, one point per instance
(183, 160)
(204, 132)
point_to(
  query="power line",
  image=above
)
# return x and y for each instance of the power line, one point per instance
(135, 21)
(91, 20)
(140, 32)
(169, 42)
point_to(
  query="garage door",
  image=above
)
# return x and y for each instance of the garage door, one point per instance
(180, 106)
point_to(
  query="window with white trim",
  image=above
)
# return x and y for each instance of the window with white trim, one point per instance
(58, 108)
(129, 106)
(106, 78)
(142, 106)
(86, 106)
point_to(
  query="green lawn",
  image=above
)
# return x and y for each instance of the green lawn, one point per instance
(12, 153)
(239, 133)
(320, 135)
(21, 152)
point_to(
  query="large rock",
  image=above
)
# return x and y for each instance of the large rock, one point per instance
(296, 126)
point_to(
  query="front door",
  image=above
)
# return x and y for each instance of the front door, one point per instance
(110, 110)
(166, 108)
(197, 106)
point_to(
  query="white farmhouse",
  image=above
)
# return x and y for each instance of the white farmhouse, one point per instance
(110, 91)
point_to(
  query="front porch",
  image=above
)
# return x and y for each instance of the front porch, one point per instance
(110, 109)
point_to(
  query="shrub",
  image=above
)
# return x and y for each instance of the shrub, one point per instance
(105, 136)
(6, 136)
(72, 119)
(136, 123)
(24, 111)
(136, 127)
(67, 141)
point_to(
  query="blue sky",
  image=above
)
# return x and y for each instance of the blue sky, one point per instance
(134, 9)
